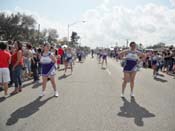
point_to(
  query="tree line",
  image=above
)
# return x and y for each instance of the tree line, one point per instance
(24, 28)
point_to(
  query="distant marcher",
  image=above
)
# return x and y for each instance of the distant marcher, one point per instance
(68, 60)
(92, 53)
(155, 64)
(104, 57)
(79, 55)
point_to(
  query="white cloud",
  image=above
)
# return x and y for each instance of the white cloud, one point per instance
(172, 2)
(148, 24)
(108, 24)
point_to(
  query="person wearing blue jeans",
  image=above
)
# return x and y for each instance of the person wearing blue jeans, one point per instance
(17, 63)
(17, 76)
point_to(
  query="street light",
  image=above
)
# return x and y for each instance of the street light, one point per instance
(69, 25)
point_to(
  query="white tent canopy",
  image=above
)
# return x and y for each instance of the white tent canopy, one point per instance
(64, 46)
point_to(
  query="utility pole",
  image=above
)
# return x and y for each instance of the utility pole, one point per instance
(127, 42)
(68, 32)
(38, 32)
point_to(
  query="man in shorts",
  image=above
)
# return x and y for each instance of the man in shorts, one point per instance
(5, 59)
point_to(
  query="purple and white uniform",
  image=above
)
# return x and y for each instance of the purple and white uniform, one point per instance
(104, 54)
(100, 54)
(131, 61)
(47, 65)
(155, 60)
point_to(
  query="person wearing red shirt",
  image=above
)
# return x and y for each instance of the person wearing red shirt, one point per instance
(60, 56)
(5, 59)
(17, 63)
(12, 52)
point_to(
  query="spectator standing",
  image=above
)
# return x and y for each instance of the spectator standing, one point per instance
(34, 68)
(12, 52)
(5, 59)
(28, 55)
(17, 63)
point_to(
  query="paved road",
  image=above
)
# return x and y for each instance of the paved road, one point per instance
(90, 101)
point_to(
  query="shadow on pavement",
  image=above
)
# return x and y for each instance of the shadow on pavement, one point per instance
(103, 68)
(161, 75)
(161, 80)
(64, 76)
(27, 84)
(81, 62)
(61, 69)
(134, 110)
(2, 99)
(1, 89)
(170, 74)
(28, 79)
(26, 111)
(36, 85)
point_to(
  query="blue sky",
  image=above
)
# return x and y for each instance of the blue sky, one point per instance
(68, 10)
(108, 21)
(62, 10)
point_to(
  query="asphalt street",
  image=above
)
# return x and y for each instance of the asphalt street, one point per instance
(90, 101)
